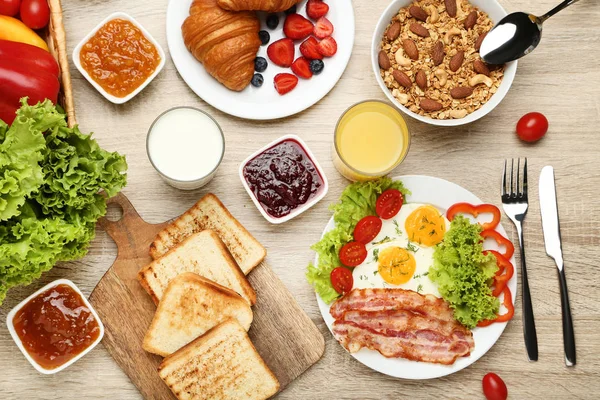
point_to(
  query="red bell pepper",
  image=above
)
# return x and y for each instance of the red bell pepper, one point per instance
(510, 310)
(504, 273)
(501, 240)
(29, 55)
(466, 208)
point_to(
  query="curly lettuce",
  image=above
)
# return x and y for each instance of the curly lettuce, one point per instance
(463, 273)
(54, 182)
(356, 202)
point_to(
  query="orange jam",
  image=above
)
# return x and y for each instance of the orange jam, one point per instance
(56, 326)
(119, 57)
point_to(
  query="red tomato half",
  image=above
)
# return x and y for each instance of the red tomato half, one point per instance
(352, 254)
(532, 127)
(494, 387)
(9, 7)
(367, 229)
(35, 13)
(389, 203)
(341, 280)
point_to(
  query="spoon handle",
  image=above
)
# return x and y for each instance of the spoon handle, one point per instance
(556, 9)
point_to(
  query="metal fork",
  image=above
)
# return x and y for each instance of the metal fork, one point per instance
(515, 204)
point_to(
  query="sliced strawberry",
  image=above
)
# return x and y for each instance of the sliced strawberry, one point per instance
(301, 67)
(282, 52)
(297, 27)
(285, 83)
(323, 28)
(310, 49)
(327, 47)
(316, 9)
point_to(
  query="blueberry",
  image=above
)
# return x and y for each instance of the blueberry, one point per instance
(260, 64)
(257, 80)
(316, 66)
(272, 21)
(291, 10)
(264, 37)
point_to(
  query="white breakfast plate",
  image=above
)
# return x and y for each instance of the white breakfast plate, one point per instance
(263, 103)
(442, 194)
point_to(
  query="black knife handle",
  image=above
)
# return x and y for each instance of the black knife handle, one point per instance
(528, 320)
(567, 321)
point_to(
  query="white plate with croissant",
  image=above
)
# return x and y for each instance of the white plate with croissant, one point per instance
(227, 43)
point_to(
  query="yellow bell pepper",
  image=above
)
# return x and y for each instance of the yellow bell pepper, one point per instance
(16, 31)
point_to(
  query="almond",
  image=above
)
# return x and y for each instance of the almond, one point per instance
(410, 48)
(460, 92)
(430, 105)
(471, 20)
(421, 79)
(419, 30)
(402, 79)
(456, 61)
(480, 67)
(450, 7)
(418, 13)
(393, 31)
(384, 60)
(437, 53)
(479, 41)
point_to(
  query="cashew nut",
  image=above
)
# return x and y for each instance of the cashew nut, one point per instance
(458, 113)
(401, 60)
(450, 34)
(480, 78)
(402, 98)
(442, 76)
(434, 15)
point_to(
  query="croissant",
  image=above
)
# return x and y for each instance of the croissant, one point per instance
(225, 42)
(257, 5)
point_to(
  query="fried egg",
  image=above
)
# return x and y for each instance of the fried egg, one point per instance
(402, 252)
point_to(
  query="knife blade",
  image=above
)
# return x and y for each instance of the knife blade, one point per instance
(553, 243)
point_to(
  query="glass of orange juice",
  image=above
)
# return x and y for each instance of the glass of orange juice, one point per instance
(371, 139)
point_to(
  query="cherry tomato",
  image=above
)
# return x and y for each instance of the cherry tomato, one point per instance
(389, 203)
(341, 280)
(367, 229)
(9, 7)
(353, 253)
(494, 387)
(532, 127)
(35, 13)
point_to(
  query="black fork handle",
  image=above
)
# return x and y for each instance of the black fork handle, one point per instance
(567, 321)
(529, 331)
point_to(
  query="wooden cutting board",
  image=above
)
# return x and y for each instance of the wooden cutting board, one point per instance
(283, 334)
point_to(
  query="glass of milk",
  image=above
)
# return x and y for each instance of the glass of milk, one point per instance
(185, 146)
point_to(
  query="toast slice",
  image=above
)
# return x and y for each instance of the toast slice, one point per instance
(210, 213)
(202, 253)
(220, 365)
(190, 306)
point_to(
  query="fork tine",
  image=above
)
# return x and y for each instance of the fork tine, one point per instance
(504, 180)
(518, 176)
(512, 173)
(525, 178)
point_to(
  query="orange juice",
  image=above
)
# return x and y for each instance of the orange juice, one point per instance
(371, 139)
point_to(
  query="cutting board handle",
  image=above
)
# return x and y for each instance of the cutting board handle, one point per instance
(130, 222)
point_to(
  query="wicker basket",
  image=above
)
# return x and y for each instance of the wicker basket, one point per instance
(57, 44)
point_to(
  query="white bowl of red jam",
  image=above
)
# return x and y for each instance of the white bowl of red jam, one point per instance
(283, 179)
(55, 326)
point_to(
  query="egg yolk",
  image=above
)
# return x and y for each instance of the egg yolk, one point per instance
(425, 226)
(396, 265)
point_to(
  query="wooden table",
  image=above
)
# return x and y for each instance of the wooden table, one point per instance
(561, 79)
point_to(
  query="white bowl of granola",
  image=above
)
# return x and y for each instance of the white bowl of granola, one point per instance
(426, 59)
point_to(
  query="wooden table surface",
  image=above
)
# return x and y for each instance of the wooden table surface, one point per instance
(561, 79)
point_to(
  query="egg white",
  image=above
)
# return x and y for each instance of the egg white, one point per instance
(366, 275)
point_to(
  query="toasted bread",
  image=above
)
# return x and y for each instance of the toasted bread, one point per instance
(210, 213)
(190, 306)
(202, 253)
(220, 365)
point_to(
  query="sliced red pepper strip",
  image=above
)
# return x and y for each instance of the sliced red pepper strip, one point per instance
(510, 310)
(501, 240)
(504, 273)
(466, 208)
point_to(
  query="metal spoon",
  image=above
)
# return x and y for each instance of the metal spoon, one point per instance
(516, 35)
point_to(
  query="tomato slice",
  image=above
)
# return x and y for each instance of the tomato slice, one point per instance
(389, 203)
(501, 240)
(466, 208)
(353, 253)
(367, 229)
(341, 280)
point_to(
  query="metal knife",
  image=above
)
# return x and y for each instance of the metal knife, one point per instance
(551, 226)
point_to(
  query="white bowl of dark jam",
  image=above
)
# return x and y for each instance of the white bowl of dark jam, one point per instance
(283, 179)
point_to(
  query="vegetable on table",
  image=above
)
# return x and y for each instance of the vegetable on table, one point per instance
(494, 387)
(35, 13)
(510, 310)
(29, 55)
(15, 30)
(9, 7)
(466, 208)
(504, 274)
(501, 240)
(532, 127)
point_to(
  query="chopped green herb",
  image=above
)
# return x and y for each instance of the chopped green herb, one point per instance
(419, 288)
(376, 255)
(384, 240)
(398, 231)
(375, 272)
(412, 247)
